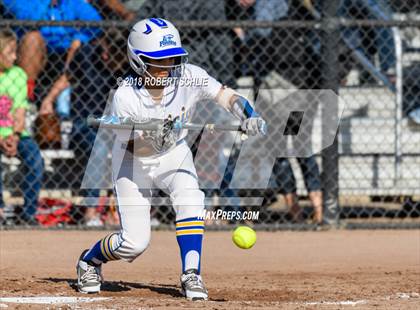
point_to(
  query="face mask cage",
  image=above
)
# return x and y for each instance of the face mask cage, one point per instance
(175, 71)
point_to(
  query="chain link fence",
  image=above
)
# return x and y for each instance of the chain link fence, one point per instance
(282, 54)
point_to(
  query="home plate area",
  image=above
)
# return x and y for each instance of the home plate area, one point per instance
(337, 269)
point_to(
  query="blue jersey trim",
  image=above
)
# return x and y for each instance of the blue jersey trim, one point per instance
(170, 52)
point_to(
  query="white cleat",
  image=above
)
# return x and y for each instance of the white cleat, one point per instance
(192, 286)
(89, 277)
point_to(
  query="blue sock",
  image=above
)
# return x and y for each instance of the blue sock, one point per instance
(189, 234)
(103, 250)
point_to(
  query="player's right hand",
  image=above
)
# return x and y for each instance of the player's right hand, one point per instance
(166, 136)
(254, 126)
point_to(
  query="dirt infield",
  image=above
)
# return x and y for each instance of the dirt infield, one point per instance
(285, 270)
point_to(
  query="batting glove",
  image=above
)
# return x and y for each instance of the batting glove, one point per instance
(254, 126)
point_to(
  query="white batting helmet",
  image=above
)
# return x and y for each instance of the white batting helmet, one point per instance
(154, 38)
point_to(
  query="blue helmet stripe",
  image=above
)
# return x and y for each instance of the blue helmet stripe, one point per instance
(159, 22)
(170, 52)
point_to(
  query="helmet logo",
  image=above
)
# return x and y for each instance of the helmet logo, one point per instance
(148, 29)
(167, 40)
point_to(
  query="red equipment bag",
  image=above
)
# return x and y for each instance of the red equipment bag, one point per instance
(52, 212)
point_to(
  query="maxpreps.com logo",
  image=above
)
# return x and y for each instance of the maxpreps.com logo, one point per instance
(167, 40)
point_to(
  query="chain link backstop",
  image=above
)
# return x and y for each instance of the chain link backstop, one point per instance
(366, 51)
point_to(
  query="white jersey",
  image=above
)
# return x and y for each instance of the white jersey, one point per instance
(134, 101)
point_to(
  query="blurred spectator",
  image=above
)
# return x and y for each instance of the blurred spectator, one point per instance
(111, 9)
(371, 40)
(405, 6)
(262, 42)
(209, 48)
(51, 42)
(240, 11)
(290, 53)
(284, 179)
(93, 74)
(14, 139)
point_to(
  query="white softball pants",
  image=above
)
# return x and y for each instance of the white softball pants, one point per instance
(133, 177)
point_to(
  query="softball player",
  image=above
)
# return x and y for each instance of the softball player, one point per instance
(162, 158)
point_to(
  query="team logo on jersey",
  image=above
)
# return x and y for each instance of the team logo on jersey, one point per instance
(167, 40)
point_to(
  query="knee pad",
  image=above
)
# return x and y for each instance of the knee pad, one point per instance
(188, 203)
(132, 247)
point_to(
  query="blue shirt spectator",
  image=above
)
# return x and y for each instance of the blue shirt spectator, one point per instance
(269, 11)
(58, 38)
(383, 37)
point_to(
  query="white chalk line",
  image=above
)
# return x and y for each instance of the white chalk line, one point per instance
(336, 303)
(404, 296)
(70, 300)
(50, 300)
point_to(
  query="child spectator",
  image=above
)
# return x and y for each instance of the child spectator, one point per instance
(53, 43)
(14, 139)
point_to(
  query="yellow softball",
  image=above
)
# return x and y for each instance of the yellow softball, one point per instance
(244, 237)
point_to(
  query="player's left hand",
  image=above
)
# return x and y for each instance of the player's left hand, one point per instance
(254, 126)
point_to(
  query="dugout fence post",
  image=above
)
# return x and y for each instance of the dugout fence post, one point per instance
(330, 39)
